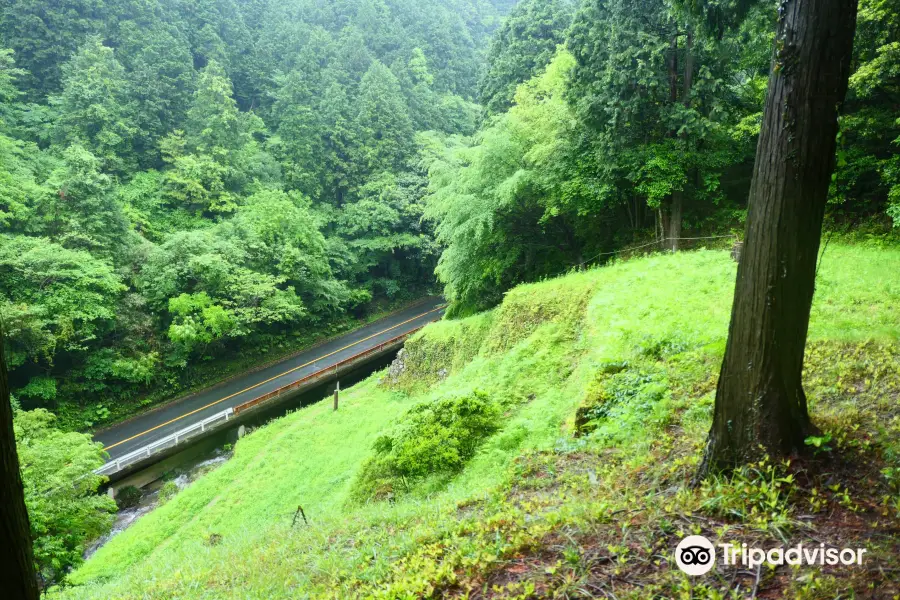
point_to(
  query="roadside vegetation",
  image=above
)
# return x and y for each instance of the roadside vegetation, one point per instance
(605, 380)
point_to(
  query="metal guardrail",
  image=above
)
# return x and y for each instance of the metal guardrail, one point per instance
(172, 440)
(126, 460)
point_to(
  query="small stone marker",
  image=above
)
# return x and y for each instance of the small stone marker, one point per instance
(337, 391)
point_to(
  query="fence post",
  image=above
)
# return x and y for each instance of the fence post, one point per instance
(337, 391)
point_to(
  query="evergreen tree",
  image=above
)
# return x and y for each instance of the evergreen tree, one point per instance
(45, 35)
(524, 44)
(339, 140)
(760, 407)
(298, 142)
(647, 90)
(417, 83)
(20, 580)
(79, 209)
(353, 57)
(160, 74)
(214, 126)
(382, 123)
(95, 108)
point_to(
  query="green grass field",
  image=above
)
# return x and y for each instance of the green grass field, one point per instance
(537, 505)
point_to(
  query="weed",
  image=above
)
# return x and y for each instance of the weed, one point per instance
(759, 494)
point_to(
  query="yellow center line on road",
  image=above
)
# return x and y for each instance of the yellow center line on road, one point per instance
(193, 412)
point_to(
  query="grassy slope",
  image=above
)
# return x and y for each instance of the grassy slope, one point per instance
(665, 316)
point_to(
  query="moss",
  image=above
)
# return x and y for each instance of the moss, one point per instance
(443, 348)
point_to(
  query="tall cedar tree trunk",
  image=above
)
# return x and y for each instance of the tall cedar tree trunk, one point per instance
(16, 559)
(676, 208)
(672, 229)
(760, 404)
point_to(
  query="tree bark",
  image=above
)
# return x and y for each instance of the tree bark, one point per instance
(676, 200)
(760, 404)
(673, 68)
(688, 67)
(676, 209)
(16, 558)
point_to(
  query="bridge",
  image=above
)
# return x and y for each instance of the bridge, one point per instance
(151, 437)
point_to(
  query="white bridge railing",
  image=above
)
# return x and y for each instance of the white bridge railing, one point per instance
(124, 461)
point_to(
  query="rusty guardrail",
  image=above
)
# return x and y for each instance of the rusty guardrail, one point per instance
(319, 374)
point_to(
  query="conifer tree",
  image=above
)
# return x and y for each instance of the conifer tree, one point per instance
(94, 108)
(382, 122)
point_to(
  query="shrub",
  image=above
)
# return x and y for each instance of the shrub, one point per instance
(128, 497)
(167, 491)
(620, 392)
(432, 438)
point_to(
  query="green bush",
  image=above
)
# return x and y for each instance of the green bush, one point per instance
(432, 438)
(128, 497)
(620, 392)
(167, 491)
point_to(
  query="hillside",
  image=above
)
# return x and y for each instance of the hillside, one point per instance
(604, 380)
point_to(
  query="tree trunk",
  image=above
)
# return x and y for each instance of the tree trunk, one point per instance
(673, 68)
(760, 404)
(688, 67)
(673, 231)
(16, 558)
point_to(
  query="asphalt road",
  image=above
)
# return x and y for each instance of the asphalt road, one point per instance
(147, 428)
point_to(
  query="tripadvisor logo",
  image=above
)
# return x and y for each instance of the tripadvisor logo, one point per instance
(696, 555)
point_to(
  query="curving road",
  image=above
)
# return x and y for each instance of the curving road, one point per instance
(147, 428)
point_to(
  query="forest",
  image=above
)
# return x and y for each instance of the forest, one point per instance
(185, 183)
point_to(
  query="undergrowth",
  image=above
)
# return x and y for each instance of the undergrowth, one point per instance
(431, 439)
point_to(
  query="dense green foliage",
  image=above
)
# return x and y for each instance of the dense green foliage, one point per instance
(186, 185)
(60, 492)
(522, 46)
(188, 181)
(508, 208)
(868, 164)
(183, 182)
(641, 129)
(432, 438)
